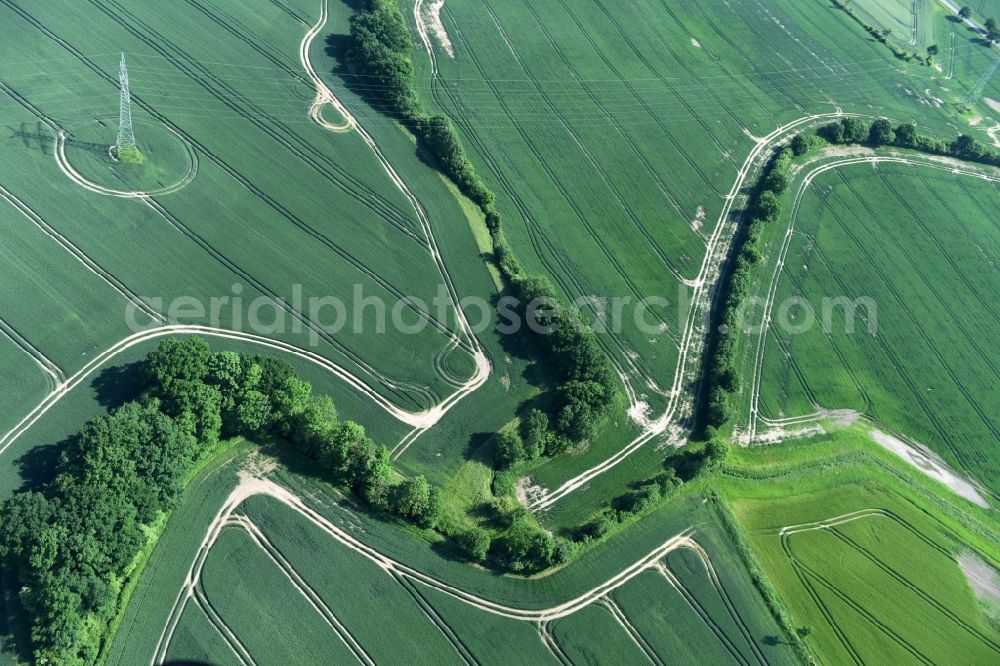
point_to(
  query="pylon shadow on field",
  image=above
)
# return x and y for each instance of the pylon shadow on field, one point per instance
(41, 137)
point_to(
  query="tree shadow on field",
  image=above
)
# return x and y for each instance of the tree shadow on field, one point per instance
(337, 46)
(475, 448)
(119, 384)
(38, 464)
(356, 5)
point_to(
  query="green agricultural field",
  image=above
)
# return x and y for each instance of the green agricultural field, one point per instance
(23, 381)
(622, 142)
(361, 595)
(246, 592)
(277, 205)
(197, 641)
(594, 636)
(894, 15)
(690, 94)
(863, 554)
(921, 244)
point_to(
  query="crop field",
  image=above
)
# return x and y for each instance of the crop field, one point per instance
(299, 211)
(922, 244)
(254, 193)
(615, 117)
(197, 642)
(275, 208)
(542, 99)
(870, 572)
(895, 15)
(269, 562)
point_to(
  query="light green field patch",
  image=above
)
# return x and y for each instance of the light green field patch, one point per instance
(254, 599)
(915, 253)
(862, 554)
(924, 608)
(197, 641)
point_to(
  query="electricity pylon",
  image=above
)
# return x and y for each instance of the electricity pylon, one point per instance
(126, 140)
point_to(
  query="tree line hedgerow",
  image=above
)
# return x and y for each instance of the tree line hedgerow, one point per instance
(74, 541)
(882, 132)
(764, 207)
(380, 49)
(881, 35)
(583, 393)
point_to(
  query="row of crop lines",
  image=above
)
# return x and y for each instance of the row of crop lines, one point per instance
(228, 94)
(429, 622)
(912, 308)
(22, 382)
(218, 161)
(678, 605)
(253, 596)
(344, 584)
(895, 15)
(242, 34)
(564, 186)
(826, 28)
(882, 349)
(918, 214)
(678, 239)
(172, 86)
(730, 39)
(604, 174)
(464, 26)
(972, 59)
(567, 276)
(842, 363)
(239, 582)
(739, 96)
(56, 310)
(802, 84)
(460, 23)
(385, 203)
(197, 641)
(281, 62)
(221, 283)
(853, 569)
(359, 592)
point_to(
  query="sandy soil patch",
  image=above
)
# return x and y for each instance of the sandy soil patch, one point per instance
(928, 463)
(429, 22)
(699, 219)
(778, 435)
(983, 579)
(994, 133)
(992, 103)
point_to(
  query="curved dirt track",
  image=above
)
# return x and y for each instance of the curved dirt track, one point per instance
(716, 249)
(251, 486)
(420, 421)
(956, 167)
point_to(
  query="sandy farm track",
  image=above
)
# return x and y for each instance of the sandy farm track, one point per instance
(251, 486)
(760, 428)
